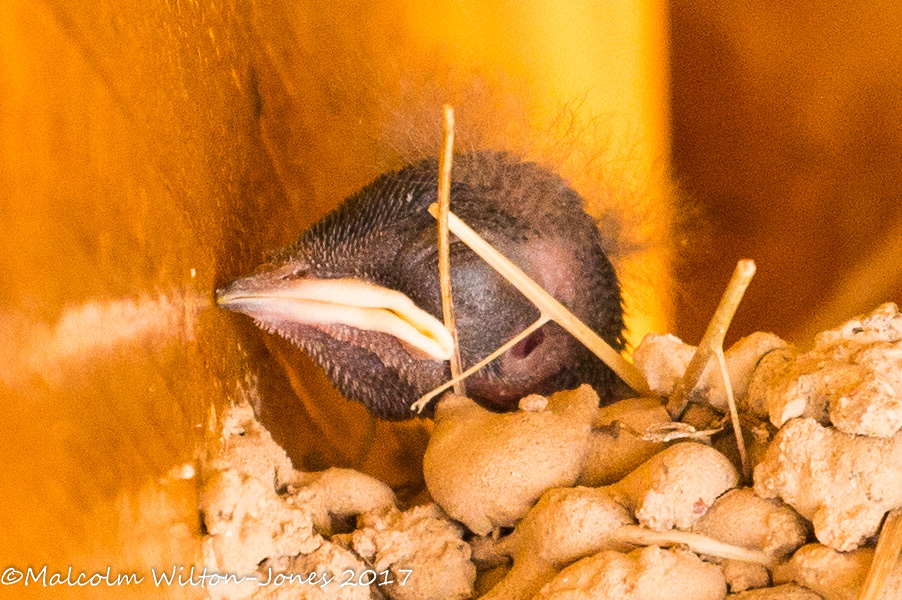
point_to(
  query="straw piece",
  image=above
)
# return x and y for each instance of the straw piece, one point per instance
(444, 258)
(546, 304)
(700, 544)
(420, 404)
(662, 433)
(885, 556)
(713, 338)
(734, 415)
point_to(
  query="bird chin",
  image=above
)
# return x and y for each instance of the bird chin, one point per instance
(392, 352)
(312, 339)
(324, 343)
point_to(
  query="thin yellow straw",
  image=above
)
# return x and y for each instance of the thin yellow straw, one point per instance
(444, 259)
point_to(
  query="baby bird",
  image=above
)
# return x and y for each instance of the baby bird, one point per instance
(359, 290)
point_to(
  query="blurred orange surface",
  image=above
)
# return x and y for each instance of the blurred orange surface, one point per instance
(151, 151)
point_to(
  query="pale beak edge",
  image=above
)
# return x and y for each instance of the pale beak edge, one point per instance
(350, 302)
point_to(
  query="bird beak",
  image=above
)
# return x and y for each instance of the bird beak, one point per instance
(278, 297)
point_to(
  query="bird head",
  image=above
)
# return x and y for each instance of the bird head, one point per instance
(359, 290)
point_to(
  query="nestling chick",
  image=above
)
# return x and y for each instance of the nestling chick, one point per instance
(359, 290)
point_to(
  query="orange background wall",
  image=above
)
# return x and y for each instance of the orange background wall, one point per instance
(150, 151)
(787, 135)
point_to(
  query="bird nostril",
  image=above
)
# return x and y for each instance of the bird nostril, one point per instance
(295, 274)
(525, 347)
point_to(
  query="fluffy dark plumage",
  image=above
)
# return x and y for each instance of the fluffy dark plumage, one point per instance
(384, 235)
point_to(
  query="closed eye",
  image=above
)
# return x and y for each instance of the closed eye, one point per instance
(526, 346)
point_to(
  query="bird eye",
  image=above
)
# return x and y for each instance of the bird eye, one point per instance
(525, 347)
